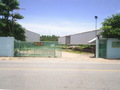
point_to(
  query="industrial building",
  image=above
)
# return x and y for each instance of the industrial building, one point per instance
(32, 36)
(80, 38)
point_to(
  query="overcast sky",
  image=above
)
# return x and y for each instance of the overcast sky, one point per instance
(65, 17)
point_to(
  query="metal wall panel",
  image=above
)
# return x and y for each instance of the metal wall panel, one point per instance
(31, 36)
(68, 39)
(62, 40)
(80, 38)
(83, 38)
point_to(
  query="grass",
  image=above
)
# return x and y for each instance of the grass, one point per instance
(77, 52)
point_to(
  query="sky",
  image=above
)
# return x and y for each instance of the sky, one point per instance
(65, 17)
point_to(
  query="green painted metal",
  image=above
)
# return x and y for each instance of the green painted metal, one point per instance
(43, 49)
(102, 48)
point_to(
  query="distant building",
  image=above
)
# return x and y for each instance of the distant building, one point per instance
(64, 40)
(80, 38)
(32, 36)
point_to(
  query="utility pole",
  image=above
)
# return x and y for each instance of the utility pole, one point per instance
(96, 17)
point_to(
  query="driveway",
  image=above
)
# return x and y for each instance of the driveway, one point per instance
(86, 57)
(66, 56)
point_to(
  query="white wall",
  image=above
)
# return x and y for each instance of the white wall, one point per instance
(31, 36)
(112, 52)
(6, 46)
(80, 38)
(62, 40)
(83, 38)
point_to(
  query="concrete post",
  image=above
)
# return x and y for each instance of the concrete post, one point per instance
(6, 46)
(97, 48)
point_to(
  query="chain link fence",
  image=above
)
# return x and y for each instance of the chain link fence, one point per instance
(38, 49)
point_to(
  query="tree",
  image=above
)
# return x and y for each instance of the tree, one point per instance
(111, 27)
(19, 32)
(8, 18)
(49, 38)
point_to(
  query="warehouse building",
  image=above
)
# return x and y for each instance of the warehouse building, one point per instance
(80, 38)
(32, 36)
(64, 40)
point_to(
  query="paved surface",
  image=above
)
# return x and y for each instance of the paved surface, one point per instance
(55, 74)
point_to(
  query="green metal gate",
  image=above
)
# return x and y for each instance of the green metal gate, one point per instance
(43, 49)
(102, 48)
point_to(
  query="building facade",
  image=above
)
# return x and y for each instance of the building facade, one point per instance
(80, 38)
(64, 40)
(32, 36)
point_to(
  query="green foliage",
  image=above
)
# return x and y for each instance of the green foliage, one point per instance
(80, 47)
(8, 26)
(64, 46)
(18, 16)
(18, 32)
(111, 27)
(7, 7)
(49, 38)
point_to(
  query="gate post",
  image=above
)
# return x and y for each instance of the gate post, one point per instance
(97, 48)
(7, 46)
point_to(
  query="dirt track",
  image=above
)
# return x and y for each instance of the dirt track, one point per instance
(86, 58)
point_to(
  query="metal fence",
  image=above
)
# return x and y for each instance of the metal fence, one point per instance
(102, 48)
(43, 49)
